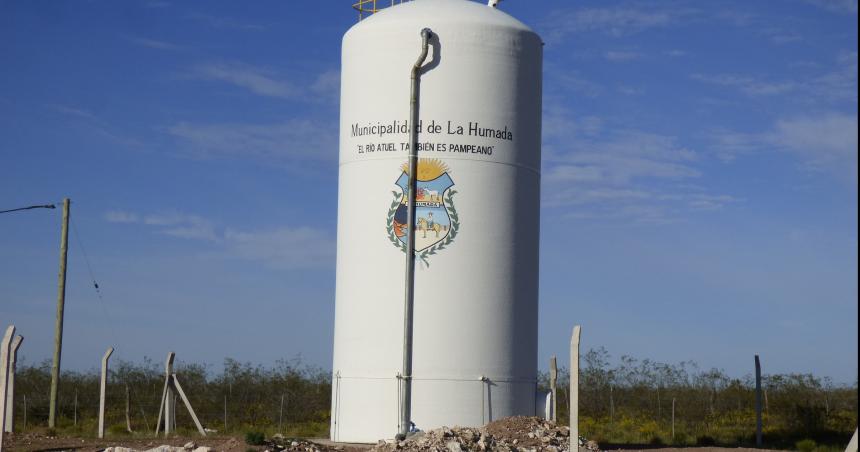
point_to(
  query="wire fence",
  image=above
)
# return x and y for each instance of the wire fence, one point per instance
(631, 402)
(287, 397)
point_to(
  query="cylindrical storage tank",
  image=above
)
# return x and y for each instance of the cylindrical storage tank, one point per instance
(477, 231)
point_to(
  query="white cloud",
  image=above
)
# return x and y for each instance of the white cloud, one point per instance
(619, 56)
(727, 145)
(630, 90)
(827, 142)
(702, 201)
(838, 84)
(74, 111)
(613, 21)
(571, 80)
(283, 247)
(327, 85)
(836, 6)
(256, 80)
(625, 156)
(121, 216)
(226, 23)
(293, 140)
(268, 83)
(182, 225)
(785, 38)
(89, 121)
(154, 43)
(595, 172)
(824, 142)
(558, 122)
(747, 84)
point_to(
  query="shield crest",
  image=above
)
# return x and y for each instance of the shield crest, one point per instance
(436, 220)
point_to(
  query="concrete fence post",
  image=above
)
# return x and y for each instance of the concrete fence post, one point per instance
(553, 386)
(574, 388)
(673, 419)
(5, 348)
(167, 409)
(10, 386)
(103, 390)
(852, 445)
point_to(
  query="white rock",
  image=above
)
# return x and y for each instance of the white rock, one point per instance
(454, 446)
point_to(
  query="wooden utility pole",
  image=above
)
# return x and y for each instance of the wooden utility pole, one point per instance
(757, 401)
(58, 329)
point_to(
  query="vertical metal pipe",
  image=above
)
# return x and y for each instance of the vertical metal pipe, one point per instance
(58, 329)
(406, 395)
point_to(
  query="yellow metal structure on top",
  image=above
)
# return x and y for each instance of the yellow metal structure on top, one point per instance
(367, 7)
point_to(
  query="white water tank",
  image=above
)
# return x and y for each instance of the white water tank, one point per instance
(477, 237)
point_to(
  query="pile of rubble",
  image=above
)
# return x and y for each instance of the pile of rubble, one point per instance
(188, 447)
(281, 443)
(276, 443)
(513, 434)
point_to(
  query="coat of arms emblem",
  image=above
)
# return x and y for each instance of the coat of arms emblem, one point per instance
(436, 219)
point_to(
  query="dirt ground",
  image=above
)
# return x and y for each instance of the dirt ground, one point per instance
(32, 442)
(512, 434)
(696, 449)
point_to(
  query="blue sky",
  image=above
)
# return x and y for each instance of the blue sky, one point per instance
(699, 178)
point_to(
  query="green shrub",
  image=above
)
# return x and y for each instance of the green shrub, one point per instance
(656, 441)
(255, 438)
(117, 429)
(705, 441)
(806, 445)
